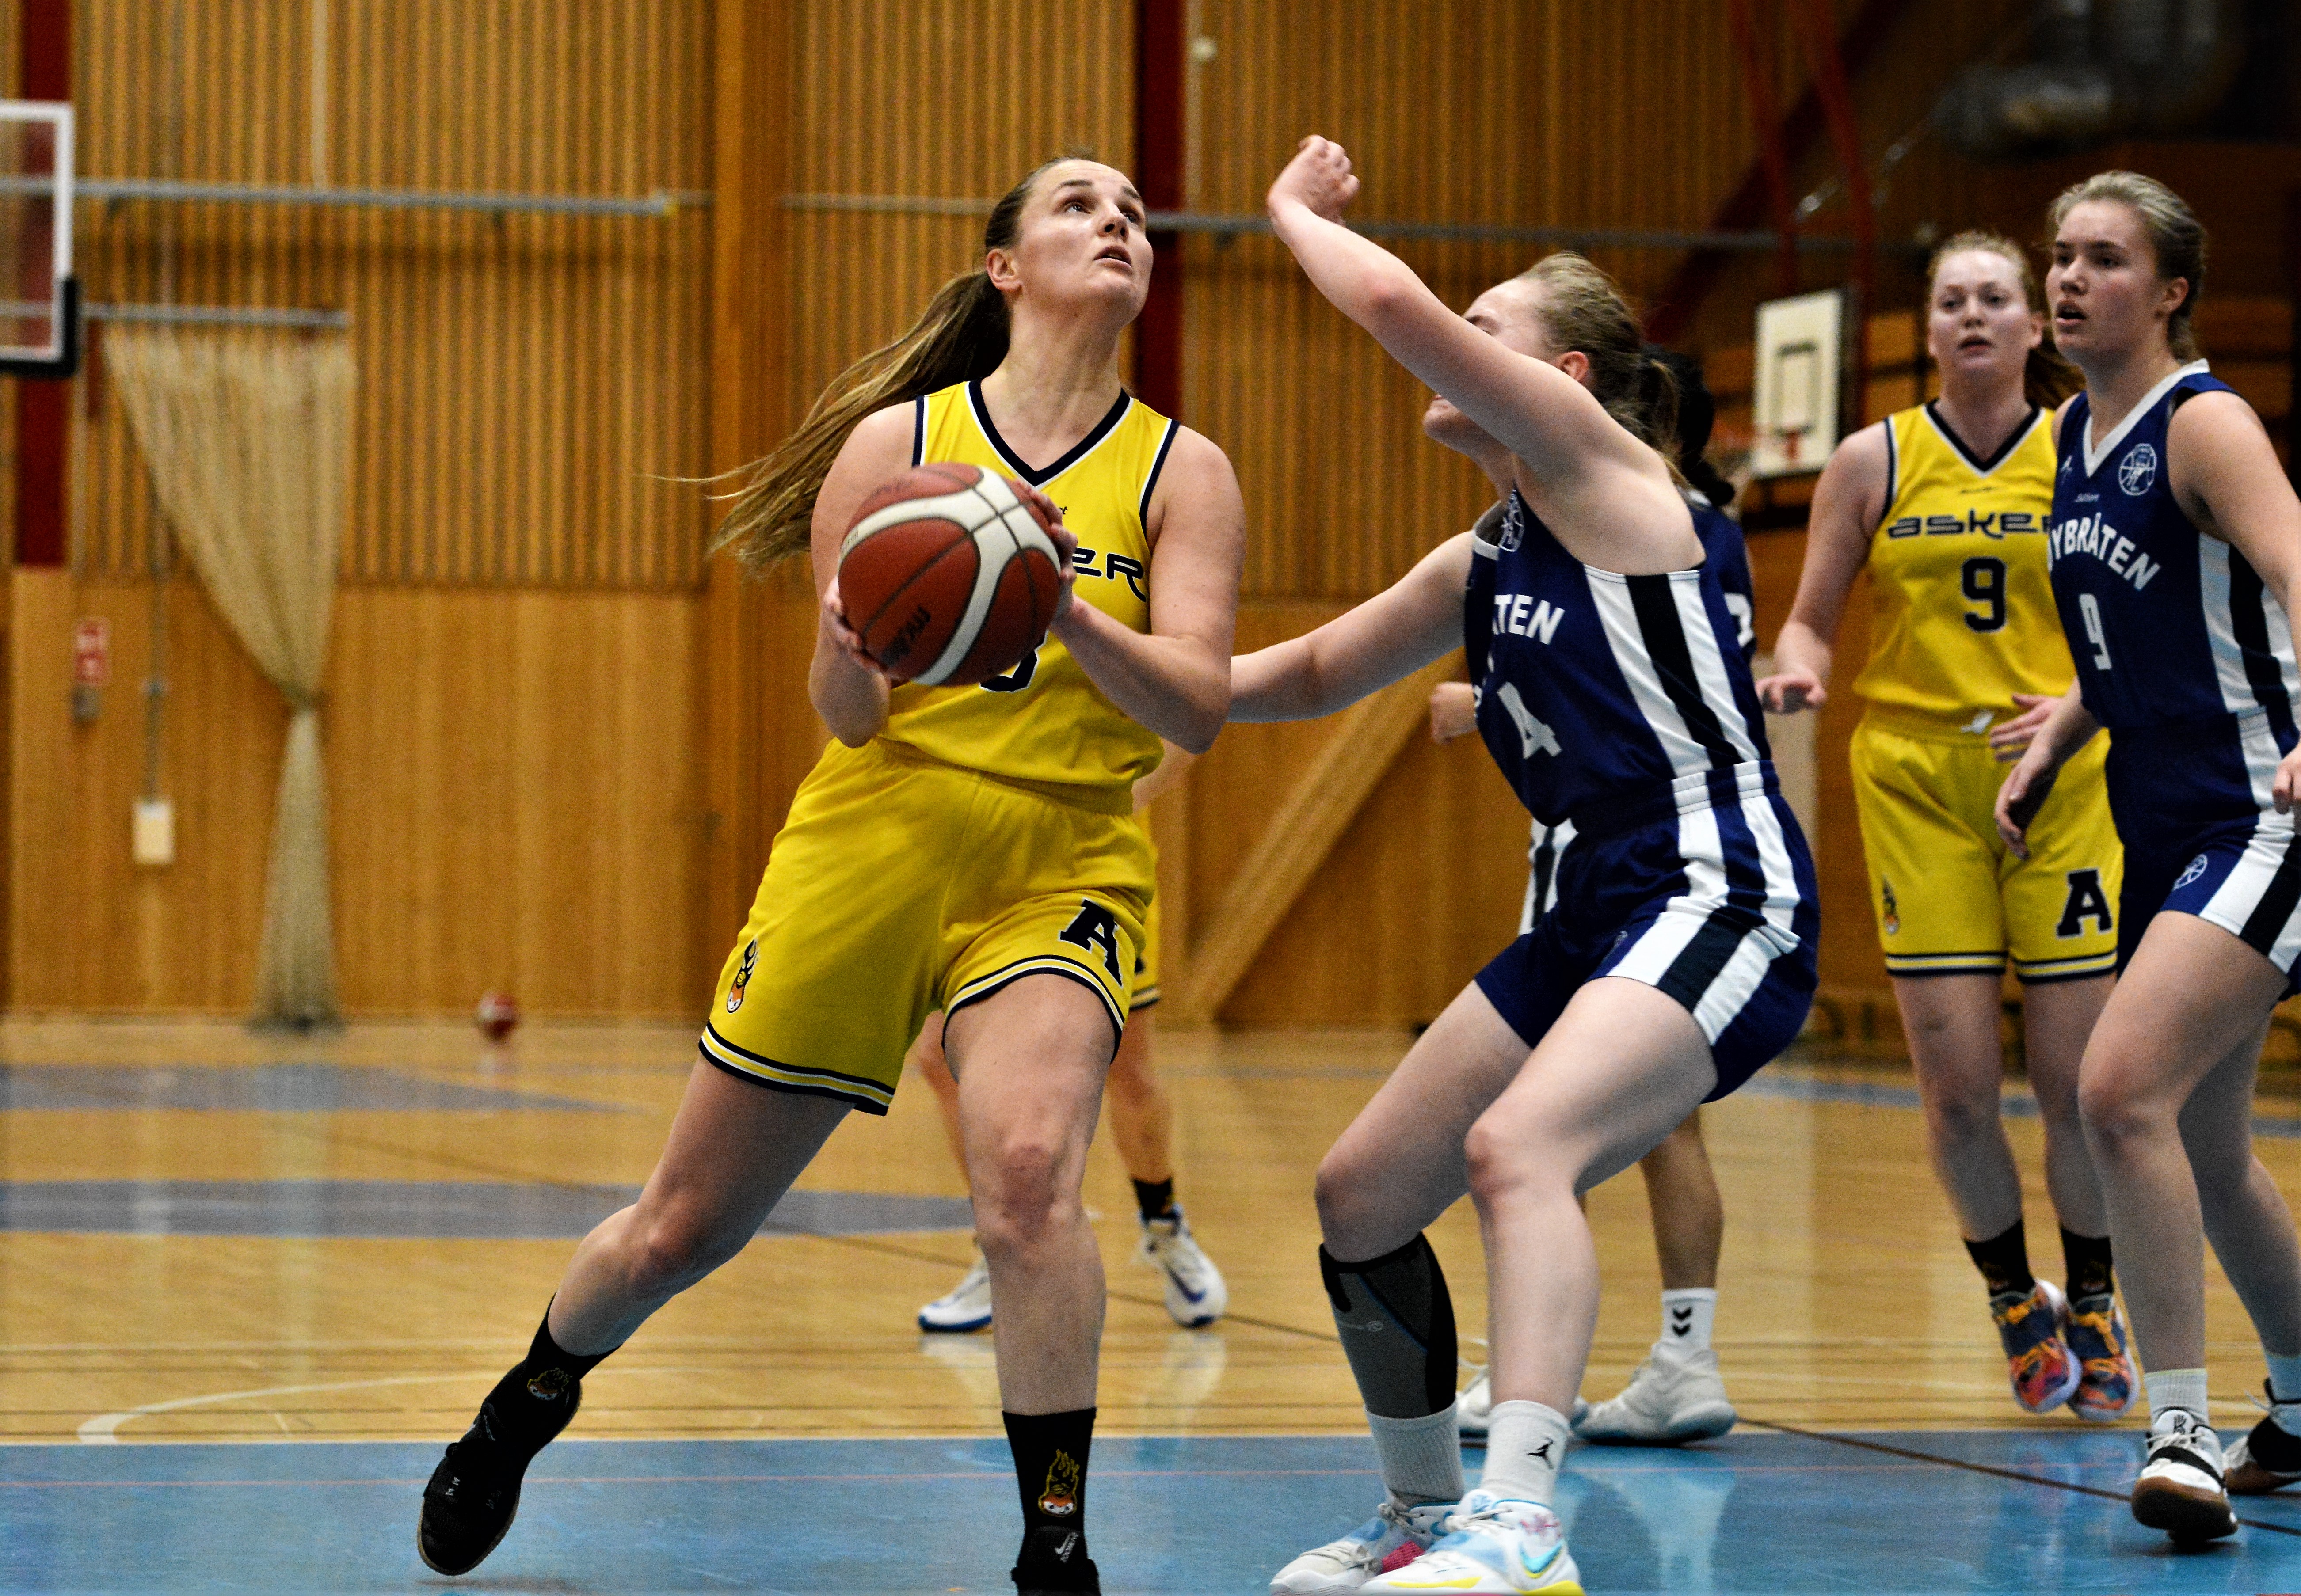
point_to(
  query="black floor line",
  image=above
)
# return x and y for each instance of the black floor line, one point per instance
(2003, 1474)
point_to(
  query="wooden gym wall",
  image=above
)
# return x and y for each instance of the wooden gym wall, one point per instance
(513, 746)
(558, 738)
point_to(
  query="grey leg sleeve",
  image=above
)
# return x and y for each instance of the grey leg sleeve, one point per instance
(1397, 1325)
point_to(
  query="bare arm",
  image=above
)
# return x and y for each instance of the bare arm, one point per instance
(1848, 503)
(1175, 678)
(1391, 635)
(848, 690)
(2225, 475)
(1608, 497)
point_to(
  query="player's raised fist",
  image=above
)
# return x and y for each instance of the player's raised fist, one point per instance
(1318, 178)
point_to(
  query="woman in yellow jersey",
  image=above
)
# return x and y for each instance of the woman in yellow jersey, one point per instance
(1946, 503)
(967, 848)
(1142, 1129)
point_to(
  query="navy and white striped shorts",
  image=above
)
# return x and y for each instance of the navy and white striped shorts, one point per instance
(1715, 908)
(2201, 837)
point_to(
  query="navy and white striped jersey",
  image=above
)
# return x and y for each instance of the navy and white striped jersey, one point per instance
(1608, 699)
(1724, 552)
(2169, 627)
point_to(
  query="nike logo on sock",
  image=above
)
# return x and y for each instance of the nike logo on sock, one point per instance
(1069, 1545)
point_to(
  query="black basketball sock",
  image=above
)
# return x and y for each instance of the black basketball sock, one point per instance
(1397, 1325)
(1156, 1199)
(535, 1400)
(2004, 1261)
(2086, 1258)
(1051, 1454)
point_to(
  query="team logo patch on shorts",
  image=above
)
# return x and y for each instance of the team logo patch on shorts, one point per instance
(1060, 1499)
(2197, 868)
(1893, 918)
(2137, 470)
(744, 974)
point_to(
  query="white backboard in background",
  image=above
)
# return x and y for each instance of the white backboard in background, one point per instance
(36, 217)
(1796, 402)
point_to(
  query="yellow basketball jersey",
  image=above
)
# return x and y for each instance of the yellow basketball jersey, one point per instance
(1044, 721)
(1964, 615)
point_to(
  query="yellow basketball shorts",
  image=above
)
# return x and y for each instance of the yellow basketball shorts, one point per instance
(1951, 899)
(900, 885)
(1146, 963)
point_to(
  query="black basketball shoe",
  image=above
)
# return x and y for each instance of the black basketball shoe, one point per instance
(474, 1494)
(1054, 1562)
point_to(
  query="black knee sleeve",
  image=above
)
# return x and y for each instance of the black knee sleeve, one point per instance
(1397, 1325)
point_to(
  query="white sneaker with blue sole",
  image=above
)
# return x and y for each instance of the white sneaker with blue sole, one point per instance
(966, 1306)
(1395, 1535)
(1196, 1295)
(1493, 1547)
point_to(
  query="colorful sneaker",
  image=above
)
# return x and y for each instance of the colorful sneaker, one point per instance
(1053, 1562)
(1196, 1295)
(1493, 1547)
(1674, 1397)
(2108, 1384)
(2269, 1458)
(1475, 1406)
(2029, 1328)
(1394, 1537)
(966, 1306)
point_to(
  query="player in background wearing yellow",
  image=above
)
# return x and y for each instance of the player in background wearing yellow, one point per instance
(967, 849)
(1947, 504)
(1141, 1125)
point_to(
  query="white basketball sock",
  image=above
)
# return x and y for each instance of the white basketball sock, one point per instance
(1422, 1458)
(2285, 1389)
(1525, 1446)
(1687, 1317)
(2176, 1388)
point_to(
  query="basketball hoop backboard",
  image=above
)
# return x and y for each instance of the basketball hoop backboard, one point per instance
(1796, 403)
(39, 301)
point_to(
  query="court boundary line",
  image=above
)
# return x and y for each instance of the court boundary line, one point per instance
(1991, 1469)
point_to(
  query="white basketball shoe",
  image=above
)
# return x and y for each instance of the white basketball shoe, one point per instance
(966, 1306)
(2180, 1488)
(1493, 1547)
(1196, 1294)
(1475, 1406)
(1675, 1396)
(1392, 1537)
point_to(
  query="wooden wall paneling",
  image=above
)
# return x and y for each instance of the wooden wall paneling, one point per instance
(1317, 807)
(527, 381)
(755, 86)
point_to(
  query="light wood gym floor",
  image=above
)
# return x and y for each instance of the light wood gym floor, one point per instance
(1846, 1300)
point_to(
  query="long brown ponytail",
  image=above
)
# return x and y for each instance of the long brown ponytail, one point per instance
(961, 336)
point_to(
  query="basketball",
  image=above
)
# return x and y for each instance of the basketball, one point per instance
(497, 1015)
(948, 575)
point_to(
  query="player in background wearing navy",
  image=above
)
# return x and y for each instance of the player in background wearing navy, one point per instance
(1679, 958)
(1946, 505)
(1678, 1394)
(2176, 550)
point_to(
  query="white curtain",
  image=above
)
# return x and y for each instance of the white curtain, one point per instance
(248, 439)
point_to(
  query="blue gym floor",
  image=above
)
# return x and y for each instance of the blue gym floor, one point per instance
(1761, 1512)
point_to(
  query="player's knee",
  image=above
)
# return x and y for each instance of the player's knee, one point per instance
(1021, 1196)
(670, 1251)
(1963, 1114)
(2115, 1106)
(1348, 1191)
(1500, 1156)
